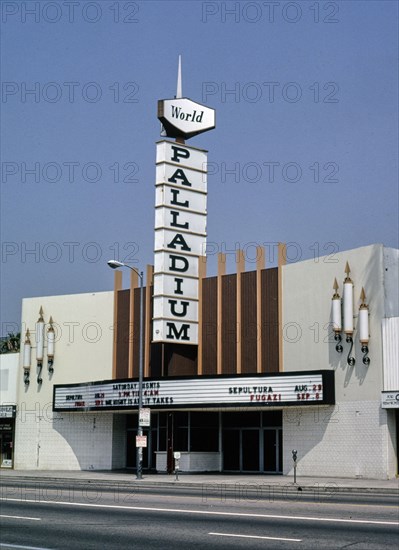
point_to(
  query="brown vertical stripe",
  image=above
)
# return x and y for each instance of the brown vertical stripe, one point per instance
(240, 260)
(210, 326)
(221, 272)
(148, 319)
(269, 329)
(229, 326)
(249, 323)
(117, 287)
(282, 259)
(136, 332)
(133, 284)
(122, 342)
(202, 275)
(260, 264)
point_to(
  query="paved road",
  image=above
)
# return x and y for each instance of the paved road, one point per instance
(83, 516)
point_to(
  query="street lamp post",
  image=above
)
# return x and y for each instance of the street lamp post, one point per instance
(115, 264)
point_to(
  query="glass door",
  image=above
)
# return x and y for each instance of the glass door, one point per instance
(249, 450)
(231, 450)
(273, 450)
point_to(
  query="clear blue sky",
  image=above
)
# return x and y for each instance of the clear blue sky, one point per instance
(306, 103)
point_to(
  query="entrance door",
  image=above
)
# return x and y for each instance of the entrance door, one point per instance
(272, 450)
(241, 450)
(231, 450)
(250, 450)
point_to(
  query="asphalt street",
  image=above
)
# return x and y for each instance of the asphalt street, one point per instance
(86, 516)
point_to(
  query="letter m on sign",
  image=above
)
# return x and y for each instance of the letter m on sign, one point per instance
(174, 334)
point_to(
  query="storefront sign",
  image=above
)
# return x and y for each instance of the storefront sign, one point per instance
(6, 427)
(145, 418)
(180, 237)
(141, 441)
(185, 118)
(310, 388)
(390, 399)
(7, 411)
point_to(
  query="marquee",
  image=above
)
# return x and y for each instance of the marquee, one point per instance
(298, 389)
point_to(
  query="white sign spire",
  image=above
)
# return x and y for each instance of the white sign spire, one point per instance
(179, 93)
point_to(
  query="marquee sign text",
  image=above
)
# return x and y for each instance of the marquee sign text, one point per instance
(316, 388)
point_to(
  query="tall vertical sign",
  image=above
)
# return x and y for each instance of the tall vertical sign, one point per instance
(180, 219)
(180, 237)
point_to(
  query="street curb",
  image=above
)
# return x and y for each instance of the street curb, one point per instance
(323, 488)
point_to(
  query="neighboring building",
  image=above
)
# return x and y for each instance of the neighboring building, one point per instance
(264, 379)
(9, 363)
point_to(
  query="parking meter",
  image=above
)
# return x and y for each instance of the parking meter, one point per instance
(176, 456)
(294, 458)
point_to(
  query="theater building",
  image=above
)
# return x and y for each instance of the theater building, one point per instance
(239, 368)
(265, 377)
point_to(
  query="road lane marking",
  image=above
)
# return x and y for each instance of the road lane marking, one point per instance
(20, 517)
(5, 545)
(254, 537)
(201, 512)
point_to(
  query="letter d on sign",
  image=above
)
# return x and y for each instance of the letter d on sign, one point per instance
(174, 263)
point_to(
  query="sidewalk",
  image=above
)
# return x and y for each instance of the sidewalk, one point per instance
(127, 478)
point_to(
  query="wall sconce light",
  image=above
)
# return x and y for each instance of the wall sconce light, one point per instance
(337, 317)
(348, 324)
(364, 327)
(40, 345)
(50, 346)
(27, 358)
(348, 314)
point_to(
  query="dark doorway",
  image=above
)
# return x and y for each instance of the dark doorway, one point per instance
(273, 450)
(250, 450)
(252, 442)
(231, 450)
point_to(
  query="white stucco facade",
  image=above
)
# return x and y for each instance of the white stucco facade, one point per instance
(356, 437)
(83, 326)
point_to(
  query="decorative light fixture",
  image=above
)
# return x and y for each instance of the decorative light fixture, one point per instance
(337, 317)
(50, 346)
(27, 358)
(40, 345)
(348, 314)
(364, 327)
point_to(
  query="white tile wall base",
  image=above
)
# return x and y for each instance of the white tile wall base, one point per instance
(66, 441)
(192, 462)
(348, 439)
